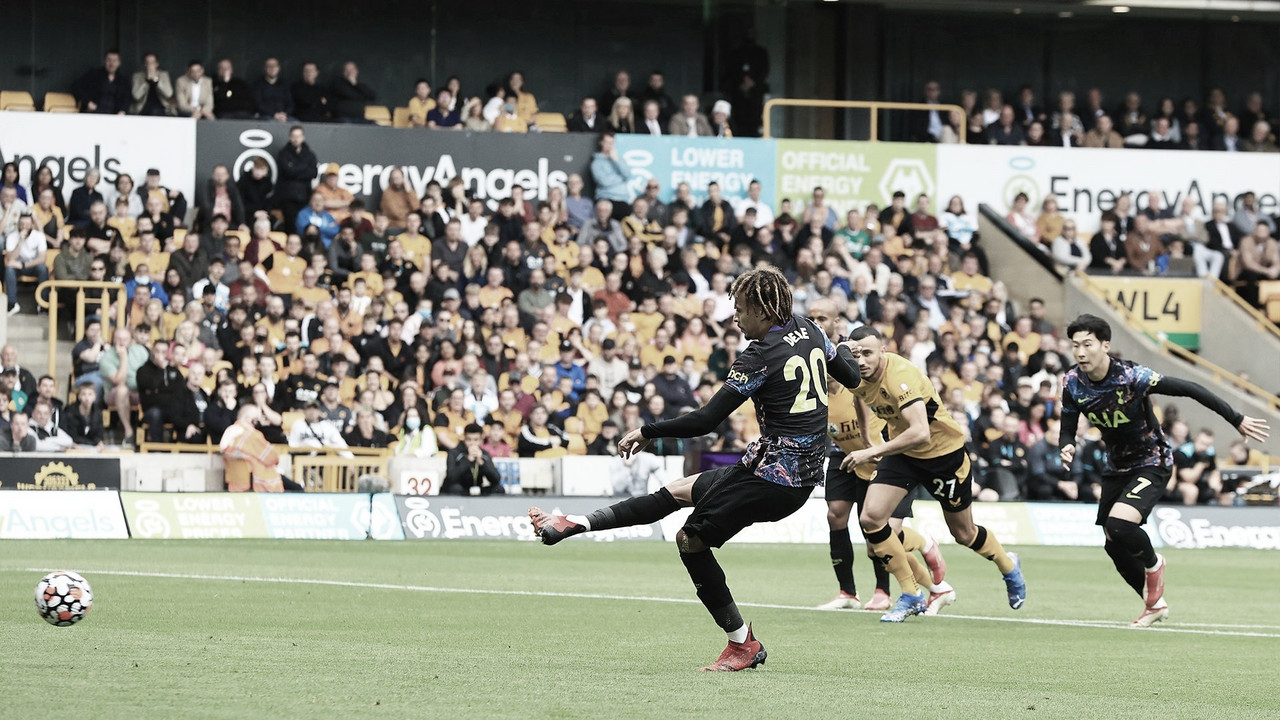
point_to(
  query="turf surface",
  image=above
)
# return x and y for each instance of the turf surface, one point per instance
(157, 646)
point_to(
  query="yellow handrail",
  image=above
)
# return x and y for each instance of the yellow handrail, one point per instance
(1167, 348)
(1259, 319)
(875, 106)
(47, 297)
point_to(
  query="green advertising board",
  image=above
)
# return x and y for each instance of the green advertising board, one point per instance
(853, 174)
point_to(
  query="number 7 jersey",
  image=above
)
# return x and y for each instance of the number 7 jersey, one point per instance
(785, 375)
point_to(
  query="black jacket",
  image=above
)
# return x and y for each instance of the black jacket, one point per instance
(309, 102)
(157, 387)
(577, 124)
(111, 96)
(461, 474)
(271, 98)
(83, 429)
(187, 411)
(81, 198)
(1100, 251)
(350, 100)
(297, 168)
(255, 195)
(1216, 239)
(232, 99)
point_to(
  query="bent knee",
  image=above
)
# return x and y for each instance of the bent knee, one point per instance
(965, 536)
(870, 521)
(837, 519)
(688, 544)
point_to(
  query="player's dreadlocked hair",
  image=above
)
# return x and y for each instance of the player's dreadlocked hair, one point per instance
(767, 289)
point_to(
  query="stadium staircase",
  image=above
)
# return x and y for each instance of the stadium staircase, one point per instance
(1239, 346)
(30, 334)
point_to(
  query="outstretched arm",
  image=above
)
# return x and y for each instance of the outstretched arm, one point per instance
(1250, 428)
(699, 422)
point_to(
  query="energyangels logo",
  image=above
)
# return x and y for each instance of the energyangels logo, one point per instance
(495, 183)
(1203, 533)
(421, 522)
(56, 476)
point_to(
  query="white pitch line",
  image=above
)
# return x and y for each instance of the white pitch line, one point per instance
(1093, 624)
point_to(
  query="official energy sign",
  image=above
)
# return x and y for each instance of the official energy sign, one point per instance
(1171, 306)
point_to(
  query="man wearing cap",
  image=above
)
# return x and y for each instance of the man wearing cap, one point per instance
(337, 199)
(720, 113)
(331, 407)
(314, 431)
(634, 384)
(673, 387)
(566, 367)
(608, 368)
(172, 202)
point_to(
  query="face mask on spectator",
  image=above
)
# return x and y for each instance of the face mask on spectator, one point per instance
(412, 423)
(142, 279)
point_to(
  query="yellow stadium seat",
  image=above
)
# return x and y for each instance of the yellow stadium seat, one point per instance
(1268, 289)
(279, 236)
(1273, 310)
(49, 255)
(379, 114)
(400, 118)
(288, 418)
(179, 236)
(17, 100)
(60, 102)
(550, 122)
(244, 237)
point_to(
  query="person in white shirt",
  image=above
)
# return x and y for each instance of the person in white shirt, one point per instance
(764, 213)
(474, 222)
(650, 125)
(313, 431)
(1070, 249)
(11, 208)
(25, 251)
(49, 437)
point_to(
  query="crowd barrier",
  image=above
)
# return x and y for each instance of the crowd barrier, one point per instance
(111, 514)
(1085, 181)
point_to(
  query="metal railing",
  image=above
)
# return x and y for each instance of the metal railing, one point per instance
(1260, 321)
(1165, 347)
(49, 296)
(875, 106)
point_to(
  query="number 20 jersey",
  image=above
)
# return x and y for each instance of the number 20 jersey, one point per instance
(785, 375)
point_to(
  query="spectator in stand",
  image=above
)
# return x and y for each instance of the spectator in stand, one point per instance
(86, 355)
(74, 261)
(1006, 130)
(314, 431)
(526, 103)
(927, 126)
(337, 199)
(1162, 136)
(48, 218)
(655, 90)
(232, 99)
(296, 165)
(720, 113)
(473, 118)
(190, 407)
(1260, 139)
(1221, 242)
(151, 89)
(83, 420)
(103, 90)
(469, 468)
(350, 96)
(1071, 250)
(611, 177)
(365, 433)
(1036, 137)
(1049, 223)
(398, 199)
(310, 101)
(689, 121)
(44, 180)
(580, 209)
(441, 117)
(1021, 219)
(219, 196)
(603, 225)
(158, 386)
(1047, 478)
(417, 439)
(650, 123)
(193, 93)
(26, 382)
(1229, 139)
(421, 103)
(1103, 135)
(1259, 260)
(1107, 247)
(100, 233)
(622, 119)
(316, 216)
(173, 205)
(587, 119)
(1133, 122)
(119, 365)
(1143, 247)
(272, 99)
(17, 437)
(83, 197)
(1248, 215)
(538, 438)
(621, 88)
(50, 437)
(1026, 111)
(24, 256)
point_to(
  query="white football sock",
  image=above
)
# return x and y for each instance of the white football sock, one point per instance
(1159, 562)
(579, 519)
(739, 635)
(941, 587)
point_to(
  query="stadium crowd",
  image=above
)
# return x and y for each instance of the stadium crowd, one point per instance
(509, 105)
(539, 330)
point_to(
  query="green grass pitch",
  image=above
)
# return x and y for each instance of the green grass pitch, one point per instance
(433, 629)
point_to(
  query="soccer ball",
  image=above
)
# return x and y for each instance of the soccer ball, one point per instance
(63, 598)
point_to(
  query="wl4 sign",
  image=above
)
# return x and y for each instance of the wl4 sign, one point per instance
(1168, 306)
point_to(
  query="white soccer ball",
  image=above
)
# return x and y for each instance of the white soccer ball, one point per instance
(63, 598)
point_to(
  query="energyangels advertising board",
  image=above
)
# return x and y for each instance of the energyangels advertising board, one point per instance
(320, 516)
